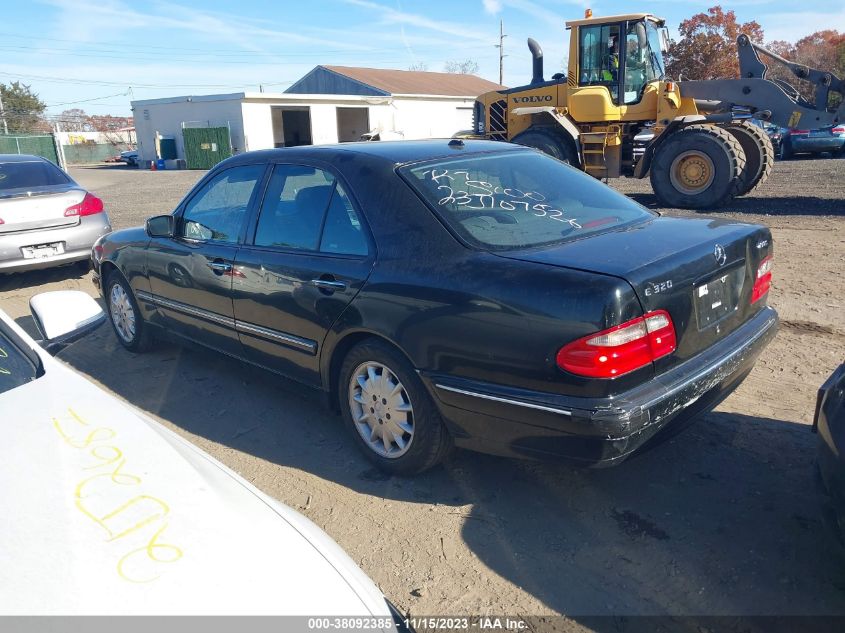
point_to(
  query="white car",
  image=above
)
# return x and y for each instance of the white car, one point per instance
(107, 512)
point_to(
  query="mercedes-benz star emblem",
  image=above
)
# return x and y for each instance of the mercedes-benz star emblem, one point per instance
(720, 255)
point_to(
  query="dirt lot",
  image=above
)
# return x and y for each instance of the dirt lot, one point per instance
(724, 519)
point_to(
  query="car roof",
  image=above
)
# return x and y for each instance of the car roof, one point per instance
(396, 152)
(21, 158)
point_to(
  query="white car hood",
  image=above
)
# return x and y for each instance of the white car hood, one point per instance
(105, 511)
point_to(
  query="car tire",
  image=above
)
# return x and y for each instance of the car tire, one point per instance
(549, 142)
(759, 155)
(386, 407)
(698, 167)
(129, 326)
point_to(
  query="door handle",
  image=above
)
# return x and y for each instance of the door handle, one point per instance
(219, 266)
(329, 285)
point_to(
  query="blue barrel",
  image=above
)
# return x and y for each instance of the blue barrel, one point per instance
(160, 163)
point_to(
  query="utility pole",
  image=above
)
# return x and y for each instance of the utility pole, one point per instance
(3, 115)
(501, 47)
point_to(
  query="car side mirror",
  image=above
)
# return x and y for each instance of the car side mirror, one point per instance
(64, 316)
(160, 226)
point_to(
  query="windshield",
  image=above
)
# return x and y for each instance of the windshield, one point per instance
(16, 368)
(519, 199)
(30, 174)
(658, 69)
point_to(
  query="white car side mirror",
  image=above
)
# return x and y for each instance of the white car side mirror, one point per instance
(64, 316)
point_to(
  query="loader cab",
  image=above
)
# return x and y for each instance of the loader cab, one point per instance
(621, 53)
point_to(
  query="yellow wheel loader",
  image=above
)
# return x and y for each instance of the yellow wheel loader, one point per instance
(615, 113)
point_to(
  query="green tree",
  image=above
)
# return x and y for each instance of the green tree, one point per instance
(22, 109)
(707, 48)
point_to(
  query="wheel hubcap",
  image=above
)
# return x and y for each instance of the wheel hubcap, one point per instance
(692, 172)
(381, 409)
(122, 314)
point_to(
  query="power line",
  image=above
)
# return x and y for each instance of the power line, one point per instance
(119, 94)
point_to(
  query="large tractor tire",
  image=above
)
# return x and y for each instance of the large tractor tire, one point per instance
(549, 141)
(759, 155)
(698, 167)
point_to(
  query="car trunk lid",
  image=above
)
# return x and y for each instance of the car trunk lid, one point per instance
(41, 208)
(701, 271)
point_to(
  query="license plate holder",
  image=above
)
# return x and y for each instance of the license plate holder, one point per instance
(41, 251)
(718, 297)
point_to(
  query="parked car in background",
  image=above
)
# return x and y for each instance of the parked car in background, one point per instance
(448, 291)
(114, 514)
(130, 157)
(774, 132)
(641, 140)
(798, 141)
(383, 135)
(46, 218)
(829, 423)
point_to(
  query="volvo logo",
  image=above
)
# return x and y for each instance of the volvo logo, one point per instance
(720, 255)
(532, 99)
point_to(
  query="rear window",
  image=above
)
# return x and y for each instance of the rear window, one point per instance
(519, 199)
(30, 174)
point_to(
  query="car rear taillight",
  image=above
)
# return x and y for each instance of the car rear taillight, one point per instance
(795, 132)
(763, 280)
(90, 205)
(839, 129)
(620, 349)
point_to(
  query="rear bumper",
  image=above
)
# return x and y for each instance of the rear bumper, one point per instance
(598, 432)
(77, 241)
(817, 144)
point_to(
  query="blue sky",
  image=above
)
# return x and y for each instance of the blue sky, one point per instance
(102, 53)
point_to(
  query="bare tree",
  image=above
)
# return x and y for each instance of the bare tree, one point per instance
(464, 67)
(75, 120)
(420, 66)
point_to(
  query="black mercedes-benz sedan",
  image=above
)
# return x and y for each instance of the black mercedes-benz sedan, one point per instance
(829, 423)
(452, 293)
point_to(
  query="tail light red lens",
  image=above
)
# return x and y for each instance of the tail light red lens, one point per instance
(793, 132)
(763, 280)
(620, 349)
(90, 205)
(839, 129)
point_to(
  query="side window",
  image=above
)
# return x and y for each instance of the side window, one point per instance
(599, 56)
(217, 211)
(342, 232)
(293, 208)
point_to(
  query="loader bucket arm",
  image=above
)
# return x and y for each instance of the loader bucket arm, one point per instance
(767, 99)
(751, 66)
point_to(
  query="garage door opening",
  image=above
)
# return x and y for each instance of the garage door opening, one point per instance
(291, 126)
(352, 123)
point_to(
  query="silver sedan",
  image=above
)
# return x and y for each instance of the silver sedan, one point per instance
(46, 218)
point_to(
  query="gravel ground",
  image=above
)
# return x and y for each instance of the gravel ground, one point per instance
(722, 520)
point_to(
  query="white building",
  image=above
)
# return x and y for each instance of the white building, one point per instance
(330, 104)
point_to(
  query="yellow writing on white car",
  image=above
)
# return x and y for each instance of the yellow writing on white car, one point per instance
(110, 497)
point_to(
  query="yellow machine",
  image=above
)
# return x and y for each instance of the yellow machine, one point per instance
(616, 114)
